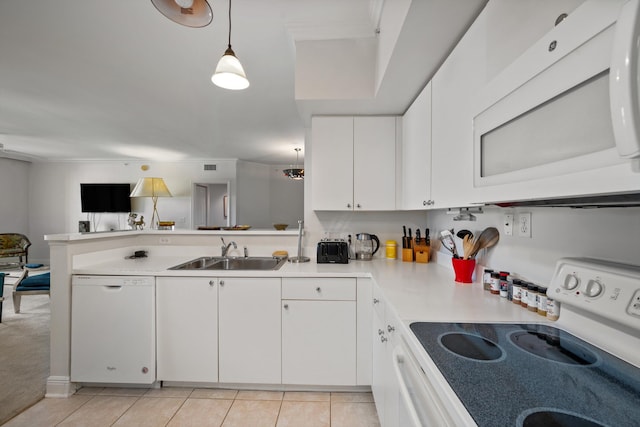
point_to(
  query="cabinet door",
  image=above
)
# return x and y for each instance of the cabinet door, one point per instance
(187, 329)
(332, 163)
(374, 163)
(250, 330)
(416, 153)
(379, 356)
(319, 342)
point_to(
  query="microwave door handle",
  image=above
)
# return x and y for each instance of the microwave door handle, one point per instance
(624, 87)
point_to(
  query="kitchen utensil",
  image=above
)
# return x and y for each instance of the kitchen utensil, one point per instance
(447, 241)
(462, 233)
(486, 239)
(367, 245)
(467, 245)
(426, 237)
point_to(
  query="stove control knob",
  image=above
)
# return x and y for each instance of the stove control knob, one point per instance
(571, 282)
(594, 288)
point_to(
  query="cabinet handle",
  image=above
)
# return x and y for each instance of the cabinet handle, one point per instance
(358, 206)
(349, 205)
(318, 289)
(221, 282)
(380, 332)
(425, 203)
(212, 282)
(390, 328)
(286, 306)
(383, 339)
(376, 300)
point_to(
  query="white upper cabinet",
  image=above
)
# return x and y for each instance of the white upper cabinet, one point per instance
(353, 163)
(332, 163)
(416, 153)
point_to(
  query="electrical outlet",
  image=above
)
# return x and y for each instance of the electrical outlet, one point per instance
(507, 225)
(165, 240)
(524, 224)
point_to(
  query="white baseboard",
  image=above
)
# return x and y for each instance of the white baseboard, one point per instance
(60, 387)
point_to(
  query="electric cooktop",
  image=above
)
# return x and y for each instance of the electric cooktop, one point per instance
(530, 375)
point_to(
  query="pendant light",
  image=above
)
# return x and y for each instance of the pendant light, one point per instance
(191, 13)
(229, 72)
(295, 173)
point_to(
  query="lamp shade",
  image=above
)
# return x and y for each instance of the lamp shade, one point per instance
(150, 187)
(229, 73)
(191, 13)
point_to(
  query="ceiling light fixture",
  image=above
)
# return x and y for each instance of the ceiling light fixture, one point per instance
(229, 72)
(295, 173)
(191, 13)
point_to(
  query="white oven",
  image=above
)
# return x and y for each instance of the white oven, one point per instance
(568, 105)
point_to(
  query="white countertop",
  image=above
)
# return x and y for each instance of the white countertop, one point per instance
(417, 292)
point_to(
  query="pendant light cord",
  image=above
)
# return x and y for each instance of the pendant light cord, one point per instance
(229, 24)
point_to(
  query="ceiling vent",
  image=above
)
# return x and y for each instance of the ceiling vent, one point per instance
(210, 167)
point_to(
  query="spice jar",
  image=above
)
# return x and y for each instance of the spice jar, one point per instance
(524, 294)
(516, 291)
(486, 279)
(391, 249)
(495, 283)
(542, 301)
(553, 309)
(504, 284)
(532, 296)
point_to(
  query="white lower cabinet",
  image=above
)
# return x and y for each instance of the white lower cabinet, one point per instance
(319, 331)
(383, 383)
(187, 329)
(249, 330)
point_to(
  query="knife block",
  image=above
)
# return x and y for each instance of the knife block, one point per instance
(407, 255)
(421, 250)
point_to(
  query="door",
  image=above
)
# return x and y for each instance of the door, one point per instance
(416, 153)
(250, 331)
(200, 205)
(374, 163)
(329, 358)
(332, 163)
(187, 329)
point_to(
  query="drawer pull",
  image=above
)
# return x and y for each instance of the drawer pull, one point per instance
(318, 289)
(376, 300)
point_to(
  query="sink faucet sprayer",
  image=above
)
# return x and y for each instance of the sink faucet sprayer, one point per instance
(299, 258)
(225, 247)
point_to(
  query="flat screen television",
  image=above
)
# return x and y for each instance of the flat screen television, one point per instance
(105, 197)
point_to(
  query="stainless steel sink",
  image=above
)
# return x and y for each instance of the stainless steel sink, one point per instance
(232, 263)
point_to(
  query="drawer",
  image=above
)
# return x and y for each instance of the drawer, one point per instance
(311, 288)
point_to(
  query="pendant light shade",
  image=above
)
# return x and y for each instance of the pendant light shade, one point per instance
(296, 173)
(229, 73)
(191, 13)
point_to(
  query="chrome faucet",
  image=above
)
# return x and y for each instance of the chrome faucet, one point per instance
(225, 247)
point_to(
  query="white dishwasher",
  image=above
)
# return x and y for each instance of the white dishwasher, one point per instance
(113, 329)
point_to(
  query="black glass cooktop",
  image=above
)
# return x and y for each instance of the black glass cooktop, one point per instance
(532, 375)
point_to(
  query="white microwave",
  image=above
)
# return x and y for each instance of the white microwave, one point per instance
(568, 105)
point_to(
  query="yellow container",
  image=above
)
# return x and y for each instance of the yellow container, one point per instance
(391, 249)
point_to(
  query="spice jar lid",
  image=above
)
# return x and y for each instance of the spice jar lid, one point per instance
(391, 243)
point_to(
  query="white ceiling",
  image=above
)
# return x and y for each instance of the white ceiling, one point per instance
(115, 79)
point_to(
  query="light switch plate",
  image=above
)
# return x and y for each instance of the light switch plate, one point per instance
(507, 225)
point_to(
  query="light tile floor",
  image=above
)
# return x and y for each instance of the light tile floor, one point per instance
(174, 407)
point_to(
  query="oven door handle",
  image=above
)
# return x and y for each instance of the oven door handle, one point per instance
(398, 357)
